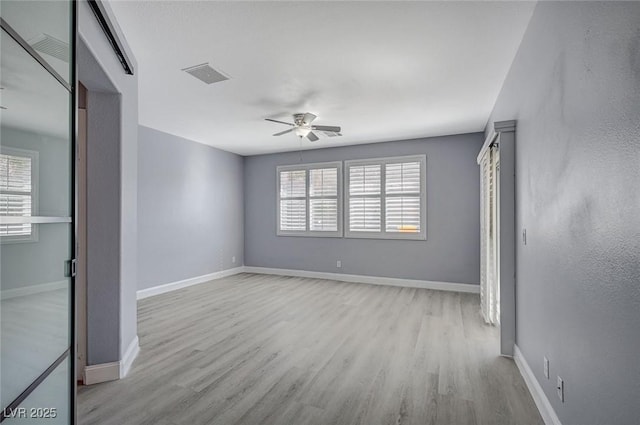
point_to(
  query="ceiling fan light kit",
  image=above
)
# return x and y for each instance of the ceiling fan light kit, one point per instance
(302, 127)
(302, 131)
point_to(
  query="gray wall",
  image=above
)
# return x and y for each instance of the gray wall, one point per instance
(190, 209)
(112, 115)
(451, 252)
(574, 88)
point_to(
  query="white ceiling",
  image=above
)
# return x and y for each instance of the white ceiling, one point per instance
(381, 70)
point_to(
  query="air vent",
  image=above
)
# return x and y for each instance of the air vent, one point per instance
(332, 133)
(206, 74)
(51, 46)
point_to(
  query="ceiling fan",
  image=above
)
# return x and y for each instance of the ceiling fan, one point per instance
(303, 128)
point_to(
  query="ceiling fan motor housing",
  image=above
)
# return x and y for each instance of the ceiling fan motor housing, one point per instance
(298, 119)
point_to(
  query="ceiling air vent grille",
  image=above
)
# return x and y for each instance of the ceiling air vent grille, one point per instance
(206, 74)
(51, 46)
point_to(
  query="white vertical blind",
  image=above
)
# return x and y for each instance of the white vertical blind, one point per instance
(15, 192)
(489, 261)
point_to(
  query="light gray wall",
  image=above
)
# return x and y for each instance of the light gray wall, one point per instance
(190, 209)
(52, 249)
(451, 252)
(112, 186)
(574, 88)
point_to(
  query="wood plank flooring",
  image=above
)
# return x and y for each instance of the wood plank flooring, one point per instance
(257, 349)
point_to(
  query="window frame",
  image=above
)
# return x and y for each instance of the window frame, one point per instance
(34, 156)
(383, 234)
(339, 196)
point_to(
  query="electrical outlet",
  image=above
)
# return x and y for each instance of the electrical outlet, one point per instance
(338, 264)
(560, 389)
(233, 259)
(546, 368)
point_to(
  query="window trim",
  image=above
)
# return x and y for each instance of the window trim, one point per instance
(339, 197)
(35, 157)
(383, 234)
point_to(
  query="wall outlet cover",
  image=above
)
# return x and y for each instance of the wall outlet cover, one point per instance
(560, 388)
(338, 264)
(546, 368)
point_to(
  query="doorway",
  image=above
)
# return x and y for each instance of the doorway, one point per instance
(497, 233)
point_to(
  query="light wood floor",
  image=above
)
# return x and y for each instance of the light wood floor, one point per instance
(255, 349)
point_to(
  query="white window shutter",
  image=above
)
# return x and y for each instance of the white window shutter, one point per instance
(365, 182)
(402, 189)
(310, 200)
(323, 200)
(386, 198)
(293, 205)
(15, 193)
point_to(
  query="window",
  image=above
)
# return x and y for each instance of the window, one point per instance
(386, 198)
(17, 192)
(310, 200)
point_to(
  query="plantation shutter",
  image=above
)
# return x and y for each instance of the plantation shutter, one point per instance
(323, 199)
(402, 209)
(386, 198)
(365, 198)
(293, 200)
(15, 193)
(310, 200)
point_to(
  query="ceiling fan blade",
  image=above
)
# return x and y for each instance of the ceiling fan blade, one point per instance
(279, 122)
(284, 132)
(312, 137)
(308, 118)
(331, 134)
(326, 128)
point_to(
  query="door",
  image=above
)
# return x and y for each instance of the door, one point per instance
(37, 140)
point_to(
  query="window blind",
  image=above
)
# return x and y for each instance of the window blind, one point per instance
(386, 198)
(403, 197)
(365, 198)
(323, 199)
(293, 204)
(15, 192)
(310, 200)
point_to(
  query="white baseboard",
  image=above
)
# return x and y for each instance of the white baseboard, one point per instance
(96, 374)
(375, 280)
(168, 287)
(128, 357)
(33, 289)
(539, 397)
(103, 372)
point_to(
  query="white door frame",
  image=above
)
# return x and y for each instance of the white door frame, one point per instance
(81, 245)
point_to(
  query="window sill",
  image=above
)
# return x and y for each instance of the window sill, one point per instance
(311, 234)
